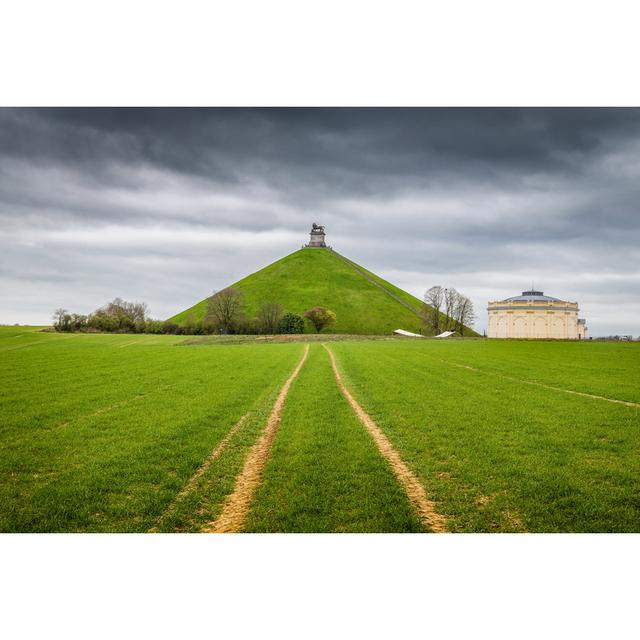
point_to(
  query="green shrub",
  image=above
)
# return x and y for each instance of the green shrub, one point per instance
(320, 317)
(154, 326)
(291, 323)
(171, 328)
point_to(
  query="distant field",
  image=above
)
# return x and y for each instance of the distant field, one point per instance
(131, 433)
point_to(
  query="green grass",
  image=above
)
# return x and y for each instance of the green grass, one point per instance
(203, 504)
(325, 473)
(100, 436)
(601, 368)
(317, 277)
(282, 338)
(502, 455)
(403, 295)
(101, 432)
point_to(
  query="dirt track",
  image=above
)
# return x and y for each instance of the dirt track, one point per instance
(416, 493)
(237, 505)
(190, 485)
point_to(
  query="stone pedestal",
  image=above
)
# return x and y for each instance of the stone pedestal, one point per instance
(316, 237)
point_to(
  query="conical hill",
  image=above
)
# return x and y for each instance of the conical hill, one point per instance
(311, 277)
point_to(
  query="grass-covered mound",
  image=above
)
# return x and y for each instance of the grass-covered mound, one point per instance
(320, 277)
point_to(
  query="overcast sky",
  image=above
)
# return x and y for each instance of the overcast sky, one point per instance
(167, 205)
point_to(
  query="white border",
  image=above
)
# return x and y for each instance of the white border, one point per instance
(319, 586)
(319, 53)
(287, 52)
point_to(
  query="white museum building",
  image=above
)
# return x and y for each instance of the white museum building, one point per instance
(534, 315)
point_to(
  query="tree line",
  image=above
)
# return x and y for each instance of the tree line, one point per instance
(446, 309)
(225, 314)
(118, 316)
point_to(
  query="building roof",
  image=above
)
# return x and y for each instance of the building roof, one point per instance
(532, 295)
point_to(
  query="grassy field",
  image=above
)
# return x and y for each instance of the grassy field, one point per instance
(500, 453)
(99, 432)
(361, 306)
(134, 433)
(325, 473)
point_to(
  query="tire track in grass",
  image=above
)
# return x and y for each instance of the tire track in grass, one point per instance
(627, 403)
(425, 508)
(509, 514)
(111, 407)
(200, 471)
(128, 344)
(99, 412)
(35, 343)
(325, 473)
(236, 506)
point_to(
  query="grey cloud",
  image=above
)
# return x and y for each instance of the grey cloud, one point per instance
(167, 204)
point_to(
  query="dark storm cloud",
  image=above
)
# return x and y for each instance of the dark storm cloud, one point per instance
(363, 145)
(166, 204)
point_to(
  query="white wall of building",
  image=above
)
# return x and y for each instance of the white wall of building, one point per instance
(535, 319)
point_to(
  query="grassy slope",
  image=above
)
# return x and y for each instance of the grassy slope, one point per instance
(315, 277)
(403, 295)
(407, 297)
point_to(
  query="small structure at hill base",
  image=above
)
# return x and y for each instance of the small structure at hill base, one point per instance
(407, 334)
(446, 334)
(316, 238)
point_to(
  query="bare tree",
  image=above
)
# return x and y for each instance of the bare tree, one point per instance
(225, 310)
(61, 319)
(464, 314)
(450, 301)
(456, 308)
(432, 308)
(269, 316)
(126, 312)
(468, 318)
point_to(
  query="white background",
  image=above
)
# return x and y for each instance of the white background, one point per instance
(319, 53)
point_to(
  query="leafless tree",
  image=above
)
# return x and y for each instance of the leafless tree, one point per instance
(61, 319)
(456, 308)
(128, 312)
(225, 310)
(432, 308)
(268, 317)
(450, 302)
(463, 313)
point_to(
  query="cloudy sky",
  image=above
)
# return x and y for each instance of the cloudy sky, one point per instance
(167, 205)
